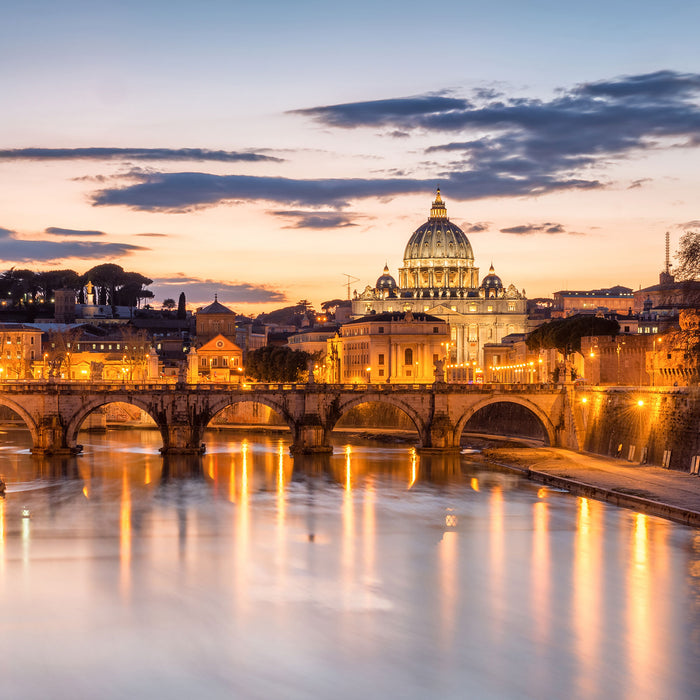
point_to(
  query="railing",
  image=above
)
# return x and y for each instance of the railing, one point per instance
(70, 386)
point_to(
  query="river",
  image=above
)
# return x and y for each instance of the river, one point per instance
(371, 573)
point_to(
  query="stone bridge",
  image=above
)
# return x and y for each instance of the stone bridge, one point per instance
(55, 411)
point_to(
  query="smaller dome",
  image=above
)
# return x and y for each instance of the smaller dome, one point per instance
(386, 281)
(492, 280)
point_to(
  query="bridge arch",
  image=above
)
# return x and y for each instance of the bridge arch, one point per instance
(25, 416)
(219, 404)
(346, 405)
(78, 418)
(543, 419)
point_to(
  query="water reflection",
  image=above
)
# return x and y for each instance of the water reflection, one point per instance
(396, 574)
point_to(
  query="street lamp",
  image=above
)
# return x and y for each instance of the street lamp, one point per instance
(369, 374)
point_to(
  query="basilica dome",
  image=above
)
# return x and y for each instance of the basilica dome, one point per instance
(386, 281)
(492, 280)
(438, 238)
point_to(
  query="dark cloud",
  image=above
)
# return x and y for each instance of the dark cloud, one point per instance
(529, 229)
(317, 219)
(199, 290)
(181, 192)
(152, 235)
(636, 184)
(689, 224)
(504, 146)
(477, 227)
(16, 249)
(379, 112)
(55, 231)
(98, 153)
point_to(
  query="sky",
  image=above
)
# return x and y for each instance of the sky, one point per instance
(268, 152)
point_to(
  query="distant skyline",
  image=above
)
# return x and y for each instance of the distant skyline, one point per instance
(262, 152)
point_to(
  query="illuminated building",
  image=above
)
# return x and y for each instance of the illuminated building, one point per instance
(438, 277)
(218, 360)
(396, 347)
(20, 345)
(618, 299)
(213, 320)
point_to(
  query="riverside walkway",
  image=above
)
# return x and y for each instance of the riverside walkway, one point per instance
(662, 492)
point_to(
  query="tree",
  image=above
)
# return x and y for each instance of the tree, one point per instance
(565, 334)
(57, 352)
(688, 256)
(169, 304)
(276, 364)
(51, 280)
(181, 307)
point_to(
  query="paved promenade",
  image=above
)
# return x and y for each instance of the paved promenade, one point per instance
(653, 490)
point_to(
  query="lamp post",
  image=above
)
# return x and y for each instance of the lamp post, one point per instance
(369, 374)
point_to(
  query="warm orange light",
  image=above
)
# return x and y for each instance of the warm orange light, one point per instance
(584, 400)
(640, 402)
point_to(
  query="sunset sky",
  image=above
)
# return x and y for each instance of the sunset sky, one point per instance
(263, 150)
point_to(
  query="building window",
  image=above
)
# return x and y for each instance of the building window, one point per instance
(31, 340)
(472, 308)
(511, 306)
(435, 358)
(489, 309)
(381, 372)
(408, 356)
(381, 329)
(381, 358)
(408, 372)
(436, 329)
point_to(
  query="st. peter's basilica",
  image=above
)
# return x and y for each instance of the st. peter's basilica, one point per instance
(438, 277)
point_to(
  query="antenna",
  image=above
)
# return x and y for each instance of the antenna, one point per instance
(668, 260)
(351, 279)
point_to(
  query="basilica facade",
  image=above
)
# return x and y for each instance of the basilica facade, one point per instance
(438, 277)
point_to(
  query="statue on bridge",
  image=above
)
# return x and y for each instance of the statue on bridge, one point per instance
(439, 372)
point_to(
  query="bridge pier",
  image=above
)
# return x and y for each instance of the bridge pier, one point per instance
(310, 437)
(52, 439)
(181, 439)
(440, 436)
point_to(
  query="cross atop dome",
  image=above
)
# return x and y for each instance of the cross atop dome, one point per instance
(438, 210)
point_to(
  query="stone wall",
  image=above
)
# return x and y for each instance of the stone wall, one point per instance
(664, 429)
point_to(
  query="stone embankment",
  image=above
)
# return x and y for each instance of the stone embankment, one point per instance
(652, 490)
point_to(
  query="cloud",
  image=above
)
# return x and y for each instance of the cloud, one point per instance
(153, 235)
(317, 219)
(639, 183)
(16, 249)
(379, 112)
(499, 146)
(182, 192)
(478, 227)
(198, 290)
(55, 231)
(689, 224)
(155, 154)
(530, 229)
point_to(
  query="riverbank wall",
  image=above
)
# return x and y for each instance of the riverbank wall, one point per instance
(659, 426)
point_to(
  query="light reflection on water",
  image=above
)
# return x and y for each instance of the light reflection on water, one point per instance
(376, 572)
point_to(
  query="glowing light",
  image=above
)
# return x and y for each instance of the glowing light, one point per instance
(640, 402)
(413, 468)
(348, 469)
(584, 400)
